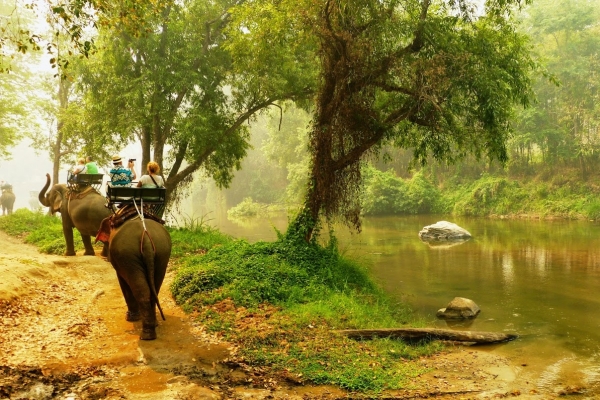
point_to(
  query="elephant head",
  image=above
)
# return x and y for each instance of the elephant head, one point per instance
(54, 198)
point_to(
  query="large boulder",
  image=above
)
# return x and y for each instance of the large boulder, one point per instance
(444, 231)
(459, 308)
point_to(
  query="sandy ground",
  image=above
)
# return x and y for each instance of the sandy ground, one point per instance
(63, 335)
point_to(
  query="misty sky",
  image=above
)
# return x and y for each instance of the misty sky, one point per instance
(27, 170)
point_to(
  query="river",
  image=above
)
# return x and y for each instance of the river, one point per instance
(539, 279)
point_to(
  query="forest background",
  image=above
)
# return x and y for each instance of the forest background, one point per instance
(167, 81)
(552, 170)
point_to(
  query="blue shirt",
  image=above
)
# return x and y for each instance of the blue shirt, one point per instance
(120, 176)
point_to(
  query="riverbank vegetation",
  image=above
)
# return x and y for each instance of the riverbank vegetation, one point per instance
(552, 146)
(494, 194)
(278, 303)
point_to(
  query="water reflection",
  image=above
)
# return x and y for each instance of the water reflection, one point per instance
(537, 278)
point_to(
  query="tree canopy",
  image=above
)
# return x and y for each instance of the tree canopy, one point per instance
(563, 125)
(438, 77)
(177, 87)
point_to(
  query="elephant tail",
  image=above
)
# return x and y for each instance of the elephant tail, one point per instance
(148, 251)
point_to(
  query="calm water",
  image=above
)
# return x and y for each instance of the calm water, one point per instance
(540, 279)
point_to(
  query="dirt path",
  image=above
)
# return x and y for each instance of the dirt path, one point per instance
(63, 335)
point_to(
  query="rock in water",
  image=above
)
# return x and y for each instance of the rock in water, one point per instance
(459, 308)
(443, 231)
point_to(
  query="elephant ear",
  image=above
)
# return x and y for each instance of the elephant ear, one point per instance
(57, 202)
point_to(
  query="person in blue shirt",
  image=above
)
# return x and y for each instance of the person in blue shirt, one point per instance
(121, 176)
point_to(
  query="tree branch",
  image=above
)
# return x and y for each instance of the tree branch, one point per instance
(197, 163)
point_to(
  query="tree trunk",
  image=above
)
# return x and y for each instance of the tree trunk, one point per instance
(63, 99)
(430, 333)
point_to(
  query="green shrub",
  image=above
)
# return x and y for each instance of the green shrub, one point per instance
(278, 273)
(387, 194)
(42, 230)
(491, 195)
(246, 208)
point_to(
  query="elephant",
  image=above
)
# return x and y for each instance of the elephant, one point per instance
(77, 210)
(7, 200)
(139, 251)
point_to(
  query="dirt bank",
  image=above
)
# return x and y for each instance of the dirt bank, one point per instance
(63, 335)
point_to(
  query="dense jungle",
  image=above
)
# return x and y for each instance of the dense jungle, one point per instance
(326, 112)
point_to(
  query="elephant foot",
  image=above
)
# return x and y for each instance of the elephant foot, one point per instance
(148, 333)
(133, 316)
(70, 253)
(89, 254)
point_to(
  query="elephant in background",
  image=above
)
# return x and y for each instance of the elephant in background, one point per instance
(84, 212)
(7, 200)
(139, 251)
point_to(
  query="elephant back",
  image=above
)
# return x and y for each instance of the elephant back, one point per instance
(126, 238)
(124, 214)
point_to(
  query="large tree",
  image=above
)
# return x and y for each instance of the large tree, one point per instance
(171, 83)
(438, 77)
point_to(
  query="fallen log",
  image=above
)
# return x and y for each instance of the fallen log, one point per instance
(430, 333)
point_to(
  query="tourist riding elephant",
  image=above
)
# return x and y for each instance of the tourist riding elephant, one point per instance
(139, 251)
(84, 211)
(7, 200)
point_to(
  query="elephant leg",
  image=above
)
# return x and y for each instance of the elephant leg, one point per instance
(133, 312)
(140, 304)
(148, 311)
(87, 243)
(147, 307)
(68, 233)
(105, 250)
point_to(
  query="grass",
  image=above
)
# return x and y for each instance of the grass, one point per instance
(492, 196)
(283, 301)
(41, 230)
(280, 302)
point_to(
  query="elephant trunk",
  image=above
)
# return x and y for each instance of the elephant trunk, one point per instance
(42, 196)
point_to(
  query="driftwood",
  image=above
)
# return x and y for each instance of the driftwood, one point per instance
(431, 333)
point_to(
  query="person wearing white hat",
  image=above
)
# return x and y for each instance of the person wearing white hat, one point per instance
(119, 175)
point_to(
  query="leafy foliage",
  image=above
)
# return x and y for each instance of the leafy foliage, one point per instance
(11, 109)
(385, 193)
(42, 230)
(278, 273)
(562, 127)
(246, 208)
(176, 87)
(422, 75)
(195, 239)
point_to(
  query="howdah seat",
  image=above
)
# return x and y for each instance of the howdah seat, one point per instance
(82, 181)
(151, 198)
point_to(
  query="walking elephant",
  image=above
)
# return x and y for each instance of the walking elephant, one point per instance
(139, 251)
(82, 210)
(7, 200)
